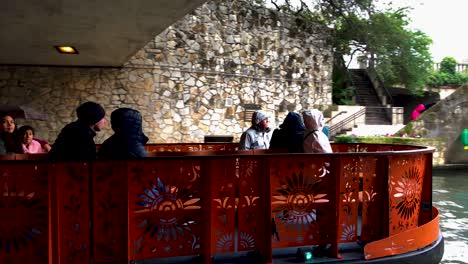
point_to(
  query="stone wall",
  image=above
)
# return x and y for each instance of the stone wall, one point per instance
(445, 120)
(193, 79)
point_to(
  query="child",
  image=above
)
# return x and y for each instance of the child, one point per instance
(29, 144)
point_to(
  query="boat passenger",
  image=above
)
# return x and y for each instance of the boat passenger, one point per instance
(290, 135)
(315, 141)
(8, 134)
(76, 140)
(257, 136)
(28, 143)
(128, 141)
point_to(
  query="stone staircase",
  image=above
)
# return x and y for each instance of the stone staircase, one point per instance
(367, 96)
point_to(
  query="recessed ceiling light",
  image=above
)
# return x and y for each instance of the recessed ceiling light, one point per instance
(66, 49)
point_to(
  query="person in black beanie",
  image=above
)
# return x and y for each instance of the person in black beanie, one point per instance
(76, 140)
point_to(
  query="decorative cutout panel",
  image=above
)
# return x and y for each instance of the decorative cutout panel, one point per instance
(303, 201)
(24, 213)
(367, 147)
(73, 211)
(250, 184)
(176, 147)
(371, 199)
(223, 190)
(165, 216)
(110, 205)
(406, 173)
(351, 174)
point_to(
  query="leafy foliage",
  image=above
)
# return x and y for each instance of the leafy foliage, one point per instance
(445, 79)
(405, 140)
(343, 94)
(447, 75)
(399, 55)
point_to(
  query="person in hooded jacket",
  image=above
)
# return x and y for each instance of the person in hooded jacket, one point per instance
(76, 140)
(257, 136)
(315, 141)
(128, 141)
(290, 135)
(417, 111)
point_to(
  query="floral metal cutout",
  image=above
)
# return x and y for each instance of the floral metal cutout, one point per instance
(160, 204)
(358, 149)
(295, 201)
(250, 201)
(244, 169)
(195, 243)
(408, 188)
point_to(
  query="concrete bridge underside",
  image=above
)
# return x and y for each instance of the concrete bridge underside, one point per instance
(105, 32)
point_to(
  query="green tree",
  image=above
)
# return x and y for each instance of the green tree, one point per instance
(448, 65)
(399, 55)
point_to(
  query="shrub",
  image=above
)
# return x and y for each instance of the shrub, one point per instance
(389, 139)
(442, 79)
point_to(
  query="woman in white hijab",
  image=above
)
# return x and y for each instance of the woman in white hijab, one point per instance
(315, 141)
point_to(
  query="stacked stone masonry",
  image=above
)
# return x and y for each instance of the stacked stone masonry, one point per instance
(193, 79)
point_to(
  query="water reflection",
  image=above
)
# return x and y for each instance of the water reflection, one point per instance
(450, 195)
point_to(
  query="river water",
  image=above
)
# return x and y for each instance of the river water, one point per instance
(450, 196)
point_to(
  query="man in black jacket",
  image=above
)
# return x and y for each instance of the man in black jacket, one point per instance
(76, 140)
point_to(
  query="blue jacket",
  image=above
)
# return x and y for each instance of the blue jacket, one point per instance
(290, 135)
(128, 141)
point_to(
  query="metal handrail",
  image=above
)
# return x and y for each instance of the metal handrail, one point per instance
(342, 112)
(338, 126)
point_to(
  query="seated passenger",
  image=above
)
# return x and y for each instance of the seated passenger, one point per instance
(315, 141)
(128, 141)
(257, 136)
(29, 144)
(8, 134)
(76, 140)
(290, 135)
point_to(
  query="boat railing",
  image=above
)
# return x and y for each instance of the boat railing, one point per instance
(211, 200)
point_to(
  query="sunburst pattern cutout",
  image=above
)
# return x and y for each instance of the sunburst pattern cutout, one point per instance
(224, 242)
(160, 204)
(409, 187)
(246, 241)
(348, 233)
(23, 217)
(295, 199)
